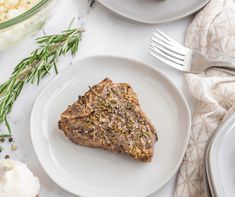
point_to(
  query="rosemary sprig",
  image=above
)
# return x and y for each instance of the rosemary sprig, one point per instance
(33, 68)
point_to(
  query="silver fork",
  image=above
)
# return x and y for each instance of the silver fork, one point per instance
(176, 55)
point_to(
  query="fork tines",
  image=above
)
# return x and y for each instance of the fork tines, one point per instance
(168, 51)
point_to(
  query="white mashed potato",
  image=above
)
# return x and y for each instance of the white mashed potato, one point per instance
(25, 27)
(11, 8)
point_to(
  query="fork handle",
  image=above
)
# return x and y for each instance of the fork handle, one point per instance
(200, 63)
(222, 65)
(231, 72)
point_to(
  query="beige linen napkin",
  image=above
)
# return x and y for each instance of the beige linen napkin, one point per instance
(212, 32)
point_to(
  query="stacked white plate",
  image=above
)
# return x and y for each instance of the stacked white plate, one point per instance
(153, 11)
(219, 171)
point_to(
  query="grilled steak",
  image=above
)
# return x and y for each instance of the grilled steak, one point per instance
(108, 116)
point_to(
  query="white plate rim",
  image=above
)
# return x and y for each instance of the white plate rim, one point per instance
(214, 174)
(157, 21)
(177, 91)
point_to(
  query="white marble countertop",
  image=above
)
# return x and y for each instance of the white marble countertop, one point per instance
(105, 34)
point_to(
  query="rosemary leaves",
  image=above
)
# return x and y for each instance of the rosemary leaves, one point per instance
(33, 68)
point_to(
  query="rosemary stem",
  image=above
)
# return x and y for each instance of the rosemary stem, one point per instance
(35, 67)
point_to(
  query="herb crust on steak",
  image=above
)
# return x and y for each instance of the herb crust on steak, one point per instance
(109, 116)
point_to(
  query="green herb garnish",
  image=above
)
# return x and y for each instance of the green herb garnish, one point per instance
(33, 68)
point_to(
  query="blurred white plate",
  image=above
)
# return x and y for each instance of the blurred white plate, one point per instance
(221, 160)
(153, 11)
(205, 167)
(93, 172)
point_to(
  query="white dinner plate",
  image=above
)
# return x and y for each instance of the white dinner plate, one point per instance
(93, 172)
(153, 11)
(221, 159)
(205, 167)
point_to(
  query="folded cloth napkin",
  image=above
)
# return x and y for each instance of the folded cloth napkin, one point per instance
(212, 32)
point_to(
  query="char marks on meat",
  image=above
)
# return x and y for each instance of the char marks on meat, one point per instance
(109, 116)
